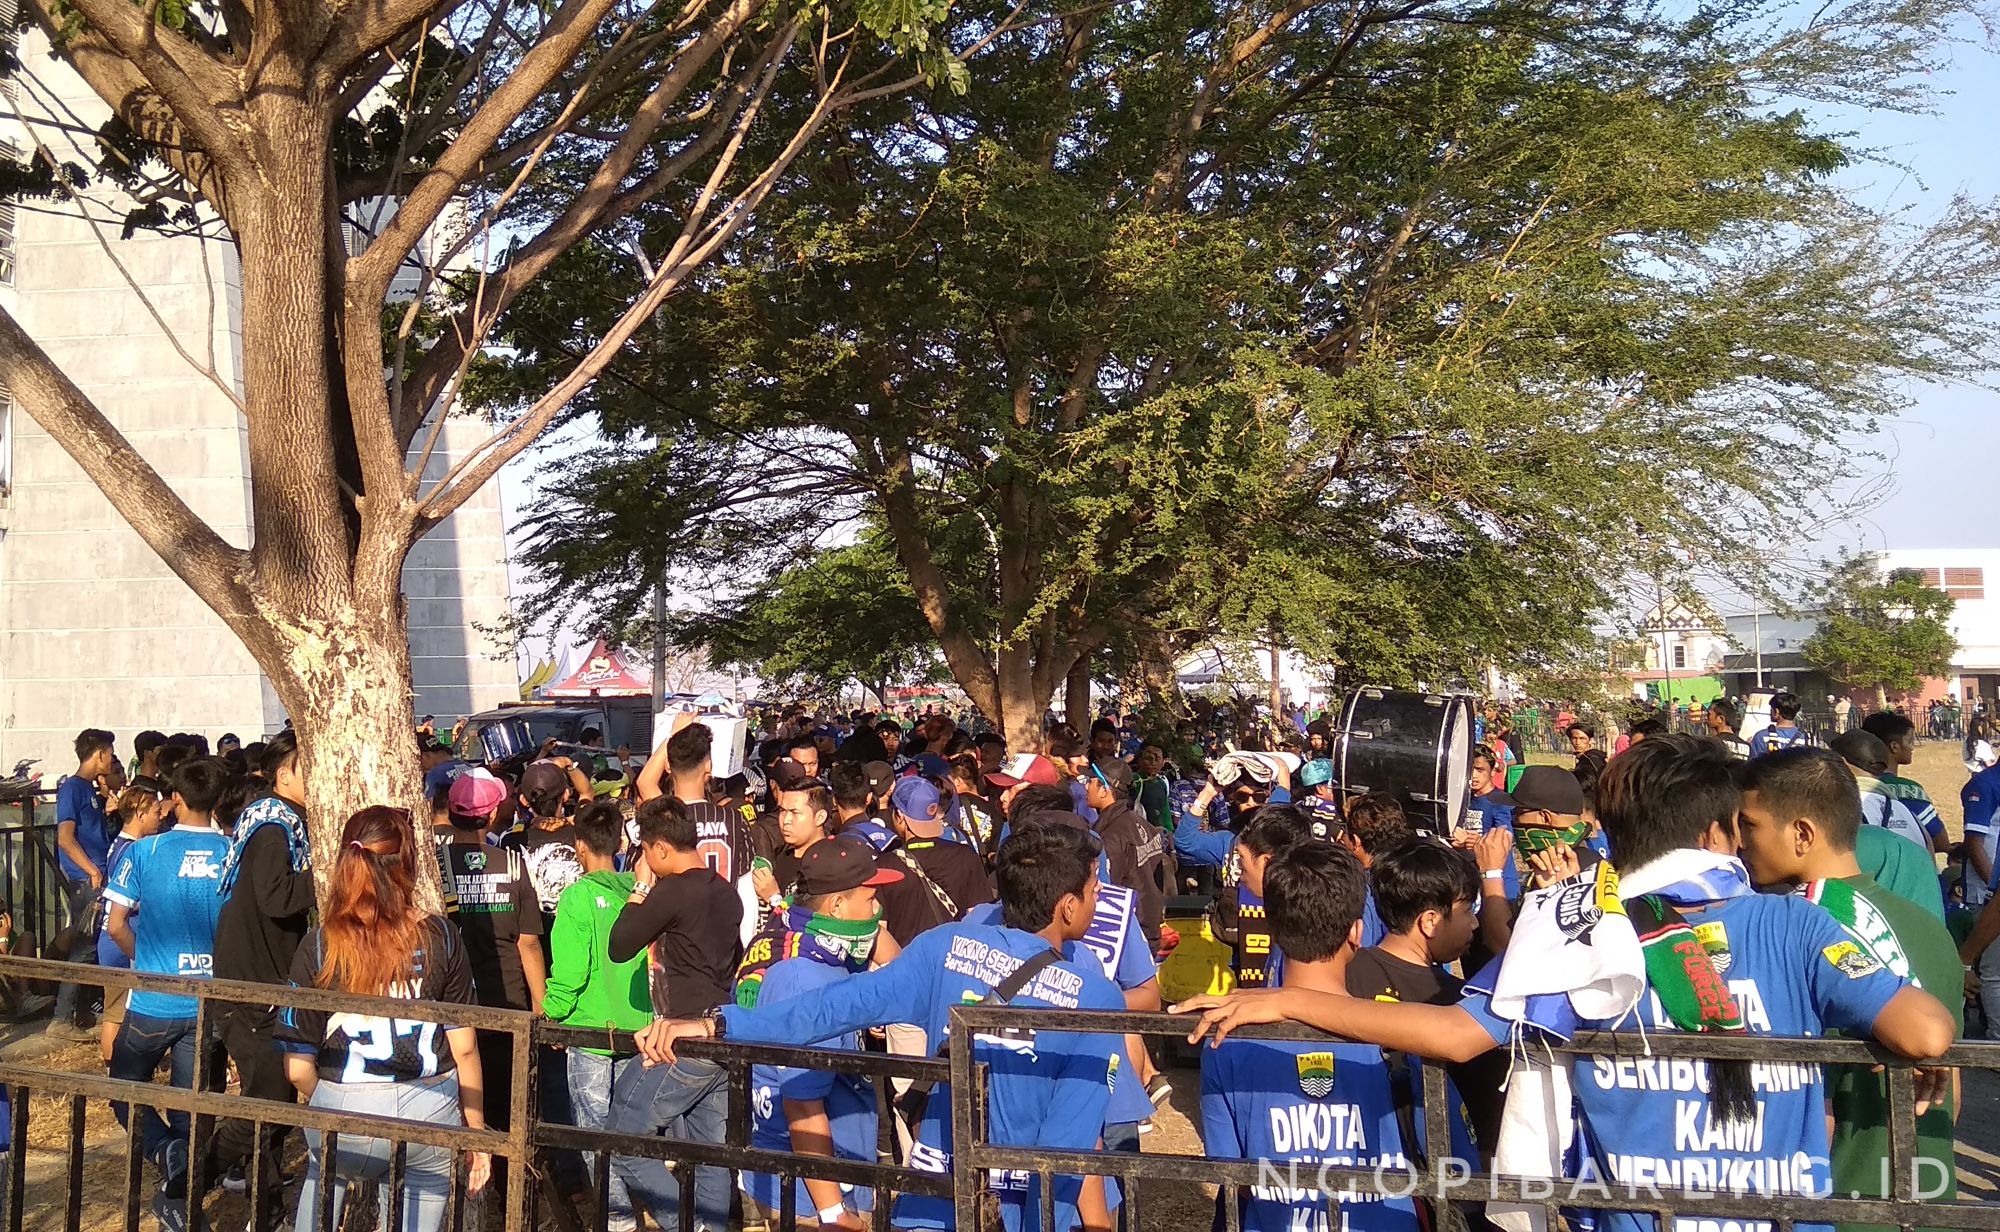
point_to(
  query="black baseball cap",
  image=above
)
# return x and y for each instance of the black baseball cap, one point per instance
(841, 863)
(1549, 789)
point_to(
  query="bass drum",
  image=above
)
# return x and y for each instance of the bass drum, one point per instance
(1415, 746)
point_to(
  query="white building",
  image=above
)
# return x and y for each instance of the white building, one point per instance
(1966, 574)
(95, 630)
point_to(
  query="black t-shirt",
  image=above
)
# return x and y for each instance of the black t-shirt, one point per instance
(1377, 975)
(785, 866)
(721, 839)
(690, 921)
(909, 907)
(551, 859)
(497, 906)
(264, 918)
(361, 1048)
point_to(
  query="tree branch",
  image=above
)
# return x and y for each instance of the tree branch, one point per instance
(212, 568)
(370, 274)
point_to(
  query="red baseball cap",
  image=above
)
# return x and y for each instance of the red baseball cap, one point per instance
(1026, 768)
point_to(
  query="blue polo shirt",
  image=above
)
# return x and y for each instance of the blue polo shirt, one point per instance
(76, 800)
(849, 1098)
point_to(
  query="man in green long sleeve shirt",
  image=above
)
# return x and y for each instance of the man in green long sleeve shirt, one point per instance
(587, 989)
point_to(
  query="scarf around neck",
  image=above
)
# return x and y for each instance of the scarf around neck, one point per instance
(269, 811)
(1680, 965)
(800, 933)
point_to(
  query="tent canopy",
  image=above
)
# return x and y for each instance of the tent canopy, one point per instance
(603, 673)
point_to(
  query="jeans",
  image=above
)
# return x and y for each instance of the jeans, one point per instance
(591, 1078)
(246, 1034)
(688, 1100)
(143, 1041)
(1989, 989)
(82, 942)
(426, 1169)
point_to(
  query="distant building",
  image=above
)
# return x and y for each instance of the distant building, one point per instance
(1965, 574)
(1671, 642)
(94, 629)
(1772, 644)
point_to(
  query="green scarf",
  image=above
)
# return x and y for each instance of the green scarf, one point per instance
(1680, 968)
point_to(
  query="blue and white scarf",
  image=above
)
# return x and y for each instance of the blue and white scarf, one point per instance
(269, 811)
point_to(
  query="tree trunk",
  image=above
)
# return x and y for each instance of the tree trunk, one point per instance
(1076, 700)
(1277, 683)
(346, 685)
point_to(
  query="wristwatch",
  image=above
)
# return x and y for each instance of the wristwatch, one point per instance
(718, 1026)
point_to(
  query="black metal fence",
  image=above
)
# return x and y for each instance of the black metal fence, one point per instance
(1440, 1184)
(32, 885)
(531, 1202)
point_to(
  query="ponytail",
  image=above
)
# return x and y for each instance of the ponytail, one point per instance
(372, 924)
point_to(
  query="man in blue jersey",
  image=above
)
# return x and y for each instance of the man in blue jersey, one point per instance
(1784, 731)
(1981, 801)
(1117, 939)
(164, 907)
(826, 936)
(1047, 1090)
(83, 838)
(1304, 1105)
(1718, 957)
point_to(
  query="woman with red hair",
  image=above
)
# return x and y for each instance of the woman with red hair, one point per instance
(374, 940)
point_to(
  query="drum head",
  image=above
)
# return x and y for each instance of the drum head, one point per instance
(1415, 746)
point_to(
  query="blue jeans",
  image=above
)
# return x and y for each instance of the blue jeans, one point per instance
(688, 1100)
(143, 1041)
(591, 1077)
(82, 942)
(426, 1169)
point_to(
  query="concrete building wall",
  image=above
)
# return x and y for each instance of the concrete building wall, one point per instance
(94, 629)
(455, 582)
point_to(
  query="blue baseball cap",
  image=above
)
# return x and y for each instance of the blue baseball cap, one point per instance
(1316, 773)
(917, 802)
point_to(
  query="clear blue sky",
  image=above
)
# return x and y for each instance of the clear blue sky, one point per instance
(1944, 459)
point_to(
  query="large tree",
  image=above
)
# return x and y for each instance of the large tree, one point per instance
(1402, 333)
(1886, 630)
(503, 134)
(845, 614)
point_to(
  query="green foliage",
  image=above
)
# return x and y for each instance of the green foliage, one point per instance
(1409, 339)
(1886, 633)
(845, 614)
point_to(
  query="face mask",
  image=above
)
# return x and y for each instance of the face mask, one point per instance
(1530, 839)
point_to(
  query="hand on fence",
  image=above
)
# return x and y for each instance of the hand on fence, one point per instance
(656, 1043)
(1224, 1012)
(1933, 1086)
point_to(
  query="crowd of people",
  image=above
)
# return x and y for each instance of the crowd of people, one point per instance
(860, 877)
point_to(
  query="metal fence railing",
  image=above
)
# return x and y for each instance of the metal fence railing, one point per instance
(525, 1146)
(72, 1197)
(973, 1154)
(32, 885)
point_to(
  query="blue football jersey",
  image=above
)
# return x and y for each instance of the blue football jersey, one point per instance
(170, 880)
(1772, 739)
(1298, 1106)
(849, 1099)
(1645, 1120)
(1044, 1089)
